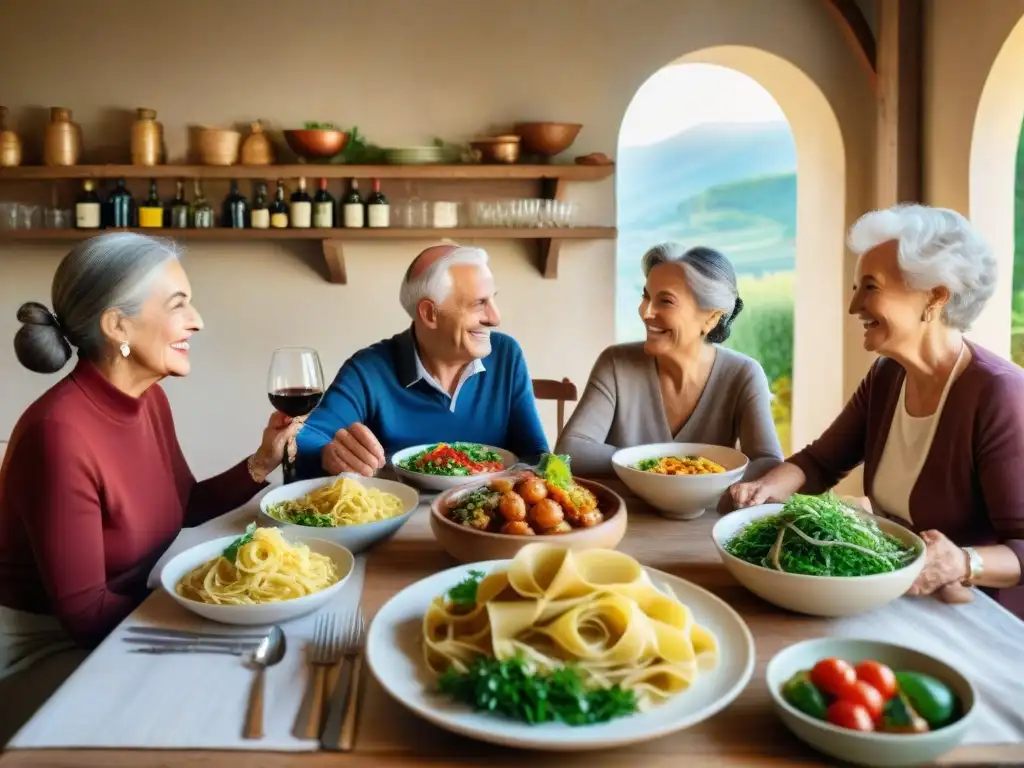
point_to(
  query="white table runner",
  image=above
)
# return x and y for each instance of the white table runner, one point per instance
(122, 700)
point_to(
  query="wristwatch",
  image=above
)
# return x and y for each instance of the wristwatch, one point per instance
(975, 565)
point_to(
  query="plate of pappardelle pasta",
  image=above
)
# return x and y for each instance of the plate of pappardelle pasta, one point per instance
(560, 650)
(348, 509)
(259, 577)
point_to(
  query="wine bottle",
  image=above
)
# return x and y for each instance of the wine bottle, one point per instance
(278, 208)
(179, 208)
(323, 207)
(202, 213)
(88, 208)
(377, 208)
(301, 212)
(259, 216)
(354, 210)
(234, 209)
(120, 207)
(151, 211)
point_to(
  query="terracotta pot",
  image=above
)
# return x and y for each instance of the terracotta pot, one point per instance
(147, 138)
(257, 149)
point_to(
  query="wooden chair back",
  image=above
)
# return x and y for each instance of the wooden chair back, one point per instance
(561, 392)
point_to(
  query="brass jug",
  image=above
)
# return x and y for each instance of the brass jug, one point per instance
(10, 144)
(63, 141)
(147, 138)
(257, 149)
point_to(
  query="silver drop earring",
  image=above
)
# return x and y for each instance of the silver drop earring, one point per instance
(125, 349)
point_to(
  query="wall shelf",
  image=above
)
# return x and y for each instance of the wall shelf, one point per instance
(310, 170)
(548, 240)
(461, 182)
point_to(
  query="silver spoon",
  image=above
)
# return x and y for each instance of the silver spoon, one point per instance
(267, 654)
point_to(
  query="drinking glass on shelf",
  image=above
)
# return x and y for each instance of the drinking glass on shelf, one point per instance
(295, 385)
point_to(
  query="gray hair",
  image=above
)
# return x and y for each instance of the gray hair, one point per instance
(935, 247)
(711, 279)
(436, 281)
(113, 271)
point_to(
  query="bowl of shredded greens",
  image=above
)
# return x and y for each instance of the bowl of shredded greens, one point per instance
(680, 480)
(819, 555)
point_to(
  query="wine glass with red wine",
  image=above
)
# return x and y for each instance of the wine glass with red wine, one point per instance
(295, 384)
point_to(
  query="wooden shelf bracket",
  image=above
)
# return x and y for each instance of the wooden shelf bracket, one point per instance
(334, 255)
(548, 250)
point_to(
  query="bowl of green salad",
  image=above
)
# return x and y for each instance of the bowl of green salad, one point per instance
(441, 466)
(819, 555)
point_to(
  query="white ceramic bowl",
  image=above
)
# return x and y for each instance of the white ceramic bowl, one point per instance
(869, 748)
(681, 497)
(441, 482)
(354, 538)
(254, 615)
(817, 595)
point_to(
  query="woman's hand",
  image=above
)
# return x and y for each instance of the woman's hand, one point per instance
(749, 494)
(277, 437)
(945, 568)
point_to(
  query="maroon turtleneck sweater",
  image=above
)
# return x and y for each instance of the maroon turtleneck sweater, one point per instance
(93, 489)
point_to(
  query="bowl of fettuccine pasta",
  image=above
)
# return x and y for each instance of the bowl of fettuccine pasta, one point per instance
(351, 510)
(259, 577)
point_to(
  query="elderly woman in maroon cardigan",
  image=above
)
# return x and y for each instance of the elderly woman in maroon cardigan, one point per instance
(938, 421)
(94, 485)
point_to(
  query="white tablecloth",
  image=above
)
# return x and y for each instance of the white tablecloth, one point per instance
(122, 700)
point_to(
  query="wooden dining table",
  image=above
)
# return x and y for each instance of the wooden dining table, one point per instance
(746, 733)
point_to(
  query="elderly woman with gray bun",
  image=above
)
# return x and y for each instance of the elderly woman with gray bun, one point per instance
(679, 384)
(94, 485)
(938, 422)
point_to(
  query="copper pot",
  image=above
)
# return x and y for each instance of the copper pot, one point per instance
(547, 139)
(316, 143)
(497, 149)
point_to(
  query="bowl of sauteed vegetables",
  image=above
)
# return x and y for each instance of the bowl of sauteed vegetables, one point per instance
(494, 518)
(440, 466)
(680, 480)
(819, 555)
(870, 702)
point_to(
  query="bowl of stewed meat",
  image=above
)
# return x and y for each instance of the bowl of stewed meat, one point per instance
(494, 519)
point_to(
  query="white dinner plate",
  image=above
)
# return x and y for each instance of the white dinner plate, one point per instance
(395, 656)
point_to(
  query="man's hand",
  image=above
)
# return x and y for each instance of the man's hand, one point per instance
(353, 449)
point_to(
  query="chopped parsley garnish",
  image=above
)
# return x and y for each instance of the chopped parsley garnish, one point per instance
(509, 688)
(464, 593)
(231, 553)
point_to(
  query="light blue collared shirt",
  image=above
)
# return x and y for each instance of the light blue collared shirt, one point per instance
(477, 366)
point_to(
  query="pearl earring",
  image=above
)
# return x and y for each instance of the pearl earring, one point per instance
(125, 349)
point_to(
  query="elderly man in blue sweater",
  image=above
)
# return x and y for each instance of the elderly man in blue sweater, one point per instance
(450, 376)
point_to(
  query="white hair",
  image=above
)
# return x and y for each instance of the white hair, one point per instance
(935, 247)
(435, 282)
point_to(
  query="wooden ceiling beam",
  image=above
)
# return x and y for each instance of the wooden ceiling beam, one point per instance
(898, 170)
(858, 32)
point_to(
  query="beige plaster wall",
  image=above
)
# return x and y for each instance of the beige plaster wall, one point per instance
(404, 71)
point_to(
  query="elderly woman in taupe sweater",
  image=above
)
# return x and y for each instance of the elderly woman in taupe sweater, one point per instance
(679, 384)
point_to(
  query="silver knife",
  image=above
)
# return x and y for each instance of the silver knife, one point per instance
(185, 634)
(162, 649)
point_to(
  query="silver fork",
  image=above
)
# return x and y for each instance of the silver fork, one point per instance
(325, 654)
(342, 717)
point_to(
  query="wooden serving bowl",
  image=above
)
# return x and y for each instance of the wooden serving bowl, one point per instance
(316, 143)
(547, 139)
(468, 545)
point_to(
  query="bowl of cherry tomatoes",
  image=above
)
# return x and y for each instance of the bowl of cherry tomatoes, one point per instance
(869, 702)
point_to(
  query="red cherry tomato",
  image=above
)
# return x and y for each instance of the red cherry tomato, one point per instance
(832, 675)
(878, 676)
(846, 714)
(863, 694)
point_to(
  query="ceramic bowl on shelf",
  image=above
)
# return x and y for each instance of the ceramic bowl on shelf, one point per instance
(263, 614)
(316, 143)
(354, 538)
(873, 748)
(680, 497)
(420, 155)
(497, 149)
(546, 138)
(817, 595)
(470, 545)
(218, 146)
